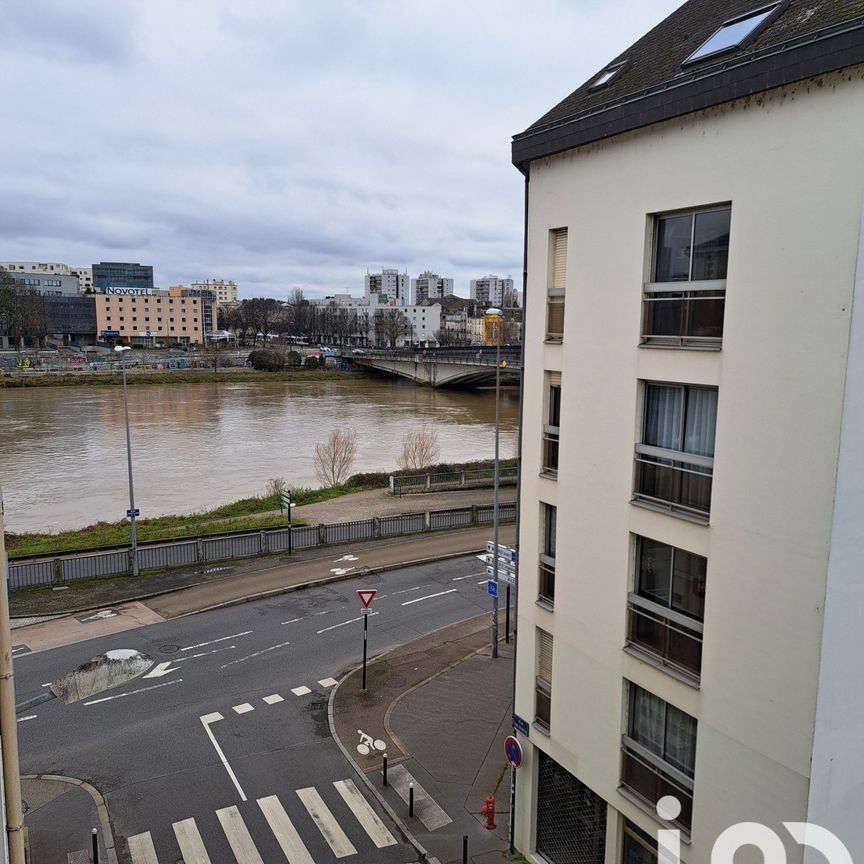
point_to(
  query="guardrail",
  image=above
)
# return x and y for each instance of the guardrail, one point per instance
(476, 479)
(62, 569)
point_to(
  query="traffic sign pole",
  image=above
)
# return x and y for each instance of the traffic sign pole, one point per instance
(366, 595)
(365, 636)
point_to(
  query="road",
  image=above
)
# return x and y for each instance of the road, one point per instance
(233, 734)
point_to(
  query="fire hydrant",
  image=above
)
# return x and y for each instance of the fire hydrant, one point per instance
(488, 810)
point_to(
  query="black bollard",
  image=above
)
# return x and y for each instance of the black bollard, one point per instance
(411, 800)
(464, 849)
(385, 769)
(95, 847)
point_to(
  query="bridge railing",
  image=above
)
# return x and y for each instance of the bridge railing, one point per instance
(477, 479)
(481, 358)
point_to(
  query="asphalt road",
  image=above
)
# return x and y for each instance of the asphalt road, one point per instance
(145, 746)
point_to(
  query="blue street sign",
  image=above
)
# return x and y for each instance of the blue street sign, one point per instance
(492, 588)
(135, 512)
(520, 725)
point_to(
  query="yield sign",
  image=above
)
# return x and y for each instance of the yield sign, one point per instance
(366, 595)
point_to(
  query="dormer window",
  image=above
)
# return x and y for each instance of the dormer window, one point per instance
(734, 33)
(609, 74)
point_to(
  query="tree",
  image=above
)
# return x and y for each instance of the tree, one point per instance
(22, 311)
(335, 456)
(263, 315)
(267, 360)
(447, 337)
(420, 448)
(215, 355)
(391, 324)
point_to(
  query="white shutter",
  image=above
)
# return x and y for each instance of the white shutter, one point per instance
(559, 259)
(544, 655)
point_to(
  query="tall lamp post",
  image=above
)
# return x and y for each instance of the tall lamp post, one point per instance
(495, 318)
(132, 513)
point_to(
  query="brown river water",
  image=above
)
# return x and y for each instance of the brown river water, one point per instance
(195, 446)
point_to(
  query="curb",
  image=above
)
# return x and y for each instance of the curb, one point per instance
(101, 808)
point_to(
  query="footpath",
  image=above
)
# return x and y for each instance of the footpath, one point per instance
(440, 704)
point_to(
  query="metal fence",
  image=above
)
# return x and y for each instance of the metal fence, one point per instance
(476, 479)
(163, 556)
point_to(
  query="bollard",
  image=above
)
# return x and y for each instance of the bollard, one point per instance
(411, 800)
(464, 849)
(95, 847)
(385, 769)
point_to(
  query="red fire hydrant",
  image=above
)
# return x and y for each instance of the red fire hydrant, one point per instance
(488, 810)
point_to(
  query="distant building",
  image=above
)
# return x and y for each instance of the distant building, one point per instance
(85, 278)
(50, 283)
(226, 292)
(430, 286)
(387, 287)
(493, 291)
(71, 320)
(36, 267)
(425, 323)
(118, 274)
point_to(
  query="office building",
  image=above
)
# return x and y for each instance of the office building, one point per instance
(118, 274)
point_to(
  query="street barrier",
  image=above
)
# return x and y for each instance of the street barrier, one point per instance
(476, 479)
(60, 569)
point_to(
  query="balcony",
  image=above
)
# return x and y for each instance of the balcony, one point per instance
(677, 482)
(691, 318)
(650, 779)
(674, 639)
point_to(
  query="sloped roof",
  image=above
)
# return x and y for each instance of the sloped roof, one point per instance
(806, 38)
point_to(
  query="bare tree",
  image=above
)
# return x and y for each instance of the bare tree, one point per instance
(22, 311)
(447, 337)
(216, 355)
(335, 456)
(391, 324)
(276, 486)
(420, 448)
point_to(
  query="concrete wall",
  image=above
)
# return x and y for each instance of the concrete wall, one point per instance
(790, 163)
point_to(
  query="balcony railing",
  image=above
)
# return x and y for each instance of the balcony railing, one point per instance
(691, 318)
(550, 450)
(650, 778)
(673, 638)
(546, 583)
(674, 481)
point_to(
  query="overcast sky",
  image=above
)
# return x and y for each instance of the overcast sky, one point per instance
(285, 144)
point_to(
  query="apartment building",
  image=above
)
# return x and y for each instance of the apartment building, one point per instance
(387, 287)
(430, 286)
(226, 292)
(493, 290)
(692, 485)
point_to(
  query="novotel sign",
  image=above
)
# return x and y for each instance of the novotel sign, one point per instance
(128, 292)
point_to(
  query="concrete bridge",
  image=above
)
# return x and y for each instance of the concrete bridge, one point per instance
(443, 368)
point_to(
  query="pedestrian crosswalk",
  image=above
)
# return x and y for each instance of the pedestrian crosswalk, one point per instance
(352, 810)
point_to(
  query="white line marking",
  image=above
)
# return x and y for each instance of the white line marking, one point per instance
(469, 576)
(350, 621)
(238, 836)
(366, 816)
(300, 691)
(284, 831)
(292, 621)
(336, 838)
(409, 590)
(245, 708)
(202, 654)
(28, 717)
(328, 682)
(325, 612)
(272, 700)
(481, 557)
(190, 842)
(256, 654)
(206, 720)
(482, 581)
(133, 692)
(141, 849)
(214, 641)
(48, 684)
(429, 597)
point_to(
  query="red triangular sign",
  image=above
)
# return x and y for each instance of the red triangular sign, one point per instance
(366, 595)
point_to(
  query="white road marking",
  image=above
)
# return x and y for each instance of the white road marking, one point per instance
(206, 720)
(341, 571)
(48, 684)
(272, 700)
(330, 830)
(159, 670)
(469, 576)
(483, 581)
(325, 612)
(284, 831)
(366, 816)
(214, 641)
(348, 557)
(300, 691)
(328, 682)
(28, 717)
(141, 849)
(238, 836)
(292, 621)
(202, 654)
(481, 557)
(133, 692)
(429, 597)
(425, 807)
(256, 654)
(190, 842)
(245, 708)
(409, 590)
(350, 621)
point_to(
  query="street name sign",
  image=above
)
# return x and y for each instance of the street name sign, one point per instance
(135, 512)
(503, 575)
(520, 725)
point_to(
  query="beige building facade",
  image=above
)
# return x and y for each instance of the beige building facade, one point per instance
(226, 292)
(692, 485)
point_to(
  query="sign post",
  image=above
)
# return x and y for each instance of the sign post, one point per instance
(285, 504)
(513, 752)
(366, 595)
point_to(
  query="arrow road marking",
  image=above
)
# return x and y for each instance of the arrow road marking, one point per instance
(160, 670)
(349, 621)
(428, 597)
(214, 641)
(206, 720)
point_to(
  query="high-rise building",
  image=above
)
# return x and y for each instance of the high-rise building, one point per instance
(387, 287)
(226, 292)
(430, 286)
(118, 274)
(692, 484)
(492, 290)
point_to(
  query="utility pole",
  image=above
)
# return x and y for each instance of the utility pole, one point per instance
(8, 722)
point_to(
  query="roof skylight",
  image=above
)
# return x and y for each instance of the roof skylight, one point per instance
(733, 34)
(607, 75)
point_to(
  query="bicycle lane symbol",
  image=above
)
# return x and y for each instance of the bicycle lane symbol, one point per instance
(369, 745)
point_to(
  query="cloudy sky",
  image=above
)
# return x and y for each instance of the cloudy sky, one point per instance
(285, 144)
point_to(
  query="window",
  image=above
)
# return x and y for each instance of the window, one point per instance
(659, 751)
(675, 461)
(608, 75)
(638, 847)
(667, 605)
(734, 33)
(557, 284)
(551, 429)
(691, 249)
(543, 681)
(546, 586)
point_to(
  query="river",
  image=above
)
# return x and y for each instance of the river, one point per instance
(195, 446)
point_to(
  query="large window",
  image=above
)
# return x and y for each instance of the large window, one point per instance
(667, 604)
(638, 847)
(659, 752)
(675, 460)
(546, 582)
(683, 304)
(557, 283)
(552, 429)
(543, 681)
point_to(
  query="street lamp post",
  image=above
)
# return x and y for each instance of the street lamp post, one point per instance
(494, 317)
(132, 513)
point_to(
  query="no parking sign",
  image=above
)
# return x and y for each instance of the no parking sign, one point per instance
(513, 751)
